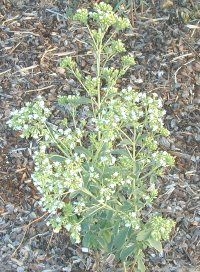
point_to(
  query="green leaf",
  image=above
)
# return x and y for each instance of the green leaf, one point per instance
(143, 235)
(57, 158)
(126, 252)
(82, 101)
(86, 240)
(89, 240)
(155, 244)
(141, 265)
(126, 142)
(127, 205)
(102, 243)
(123, 152)
(120, 238)
(82, 150)
(107, 236)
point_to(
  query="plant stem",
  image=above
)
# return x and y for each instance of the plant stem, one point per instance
(124, 267)
(57, 143)
(134, 169)
(98, 71)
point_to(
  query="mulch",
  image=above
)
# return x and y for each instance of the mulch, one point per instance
(34, 36)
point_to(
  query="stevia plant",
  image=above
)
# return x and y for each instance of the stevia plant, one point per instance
(97, 174)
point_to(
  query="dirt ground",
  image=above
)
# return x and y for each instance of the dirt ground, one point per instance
(165, 40)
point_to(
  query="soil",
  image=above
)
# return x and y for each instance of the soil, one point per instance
(165, 40)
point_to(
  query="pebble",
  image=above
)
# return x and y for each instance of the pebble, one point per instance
(20, 269)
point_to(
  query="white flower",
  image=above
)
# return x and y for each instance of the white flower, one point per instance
(159, 103)
(72, 145)
(128, 181)
(68, 227)
(35, 116)
(133, 115)
(41, 103)
(42, 148)
(113, 159)
(60, 131)
(133, 214)
(103, 159)
(116, 174)
(68, 161)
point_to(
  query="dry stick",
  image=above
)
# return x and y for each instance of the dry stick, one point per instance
(10, 20)
(61, 54)
(21, 70)
(26, 69)
(191, 2)
(39, 234)
(131, 13)
(46, 52)
(2, 73)
(182, 56)
(14, 48)
(0, 196)
(41, 89)
(25, 32)
(56, 13)
(50, 240)
(175, 74)
(196, 27)
(27, 227)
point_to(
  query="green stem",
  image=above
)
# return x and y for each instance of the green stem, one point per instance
(98, 71)
(124, 266)
(111, 36)
(93, 102)
(57, 143)
(73, 117)
(134, 168)
(92, 37)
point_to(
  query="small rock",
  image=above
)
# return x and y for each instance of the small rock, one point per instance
(165, 142)
(10, 208)
(20, 269)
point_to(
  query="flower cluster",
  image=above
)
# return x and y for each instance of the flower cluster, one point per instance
(161, 228)
(104, 16)
(31, 119)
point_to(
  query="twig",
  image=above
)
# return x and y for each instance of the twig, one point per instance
(25, 32)
(154, 20)
(182, 56)
(18, 149)
(26, 69)
(61, 54)
(10, 20)
(45, 53)
(40, 89)
(50, 240)
(175, 74)
(194, 28)
(27, 227)
(39, 234)
(4, 72)
(2, 198)
(14, 48)
(56, 13)
(131, 13)
(20, 170)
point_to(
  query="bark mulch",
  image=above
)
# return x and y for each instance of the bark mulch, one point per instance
(34, 36)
